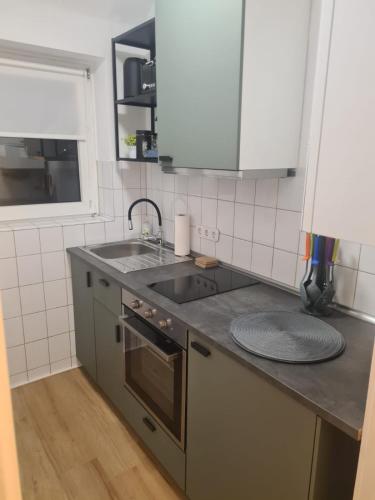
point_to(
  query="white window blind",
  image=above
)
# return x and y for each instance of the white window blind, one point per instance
(42, 102)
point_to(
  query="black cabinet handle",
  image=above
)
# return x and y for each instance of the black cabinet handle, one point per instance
(149, 424)
(199, 348)
(166, 159)
(118, 334)
(88, 279)
(104, 282)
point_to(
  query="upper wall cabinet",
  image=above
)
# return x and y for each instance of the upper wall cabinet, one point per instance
(230, 79)
(339, 200)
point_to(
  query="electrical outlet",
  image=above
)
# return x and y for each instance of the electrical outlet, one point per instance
(208, 233)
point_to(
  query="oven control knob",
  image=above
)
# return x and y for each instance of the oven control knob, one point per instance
(136, 304)
(165, 323)
(150, 313)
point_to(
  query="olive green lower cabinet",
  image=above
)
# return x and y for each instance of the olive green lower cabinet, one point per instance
(247, 440)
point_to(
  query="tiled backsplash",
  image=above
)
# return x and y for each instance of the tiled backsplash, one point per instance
(259, 223)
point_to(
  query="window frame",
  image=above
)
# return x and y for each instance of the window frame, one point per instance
(86, 146)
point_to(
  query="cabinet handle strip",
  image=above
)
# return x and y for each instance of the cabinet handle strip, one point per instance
(200, 348)
(149, 424)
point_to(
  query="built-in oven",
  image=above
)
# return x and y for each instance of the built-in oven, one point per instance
(155, 373)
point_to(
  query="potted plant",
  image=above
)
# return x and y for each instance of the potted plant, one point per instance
(130, 142)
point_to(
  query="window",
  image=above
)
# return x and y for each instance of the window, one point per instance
(46, 142)
(36, 171)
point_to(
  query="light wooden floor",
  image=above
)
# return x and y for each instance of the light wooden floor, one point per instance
(72, 445)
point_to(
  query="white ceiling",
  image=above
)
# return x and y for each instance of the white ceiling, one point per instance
(117, 11)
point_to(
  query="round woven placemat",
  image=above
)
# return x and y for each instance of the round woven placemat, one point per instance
(287, 337)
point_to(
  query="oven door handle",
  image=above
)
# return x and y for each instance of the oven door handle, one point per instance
(168, 358)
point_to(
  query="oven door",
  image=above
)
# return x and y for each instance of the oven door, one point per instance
(155, 373)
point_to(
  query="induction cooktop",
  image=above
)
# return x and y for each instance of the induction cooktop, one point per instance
(205, 284)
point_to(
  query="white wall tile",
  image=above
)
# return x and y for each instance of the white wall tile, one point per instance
(301, 271)
(117, 171)
(16, 359)
(195, 210)
(13, 332)
(195, 185)
(37, 354)
(29, 269)
(72, 336)
(367, 260)
(53, 266)
(290, 196)
(365, 293)
(167, 183)
(55, 292)
(243, 221)
(107, 174)
(345, 282)
(130, 196)
(114, 230)
(180, 204)
(226, 189)
(131, 177)
(210, 186)
(266, 192)
(209, 212)
(168, 206)
(348, 254)
(225, 217)
(57, 321)
(27, 242)
(68, 265)
(74, 236)
(7, 246)
(245, 191)
(195, 241)
(69, 290)
(118, 203)
(224, 248)
(18, 379)
(35, 326)
(59, 347)
(261, 260)
(32, 298)
(94, 233)
(287, 230)
(208, 247)
(61, 366)
(264, 225)
(51, 239)
(11, 302)
(8, 273)
(284, 267)
(108, 202)
(242, 254)
(181, 184)
(71, 317)
(38, 373)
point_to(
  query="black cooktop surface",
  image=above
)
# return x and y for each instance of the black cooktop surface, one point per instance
(198, 286)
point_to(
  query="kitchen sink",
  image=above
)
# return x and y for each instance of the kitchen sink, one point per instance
(121, 250)
(134, 255)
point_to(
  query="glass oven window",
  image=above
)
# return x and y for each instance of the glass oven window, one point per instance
(156, 381)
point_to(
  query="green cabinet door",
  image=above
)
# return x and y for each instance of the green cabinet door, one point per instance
(84, 314)
(199, 61)
(246, 440)
(109, 353)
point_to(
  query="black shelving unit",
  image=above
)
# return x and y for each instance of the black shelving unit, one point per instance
(142, 37)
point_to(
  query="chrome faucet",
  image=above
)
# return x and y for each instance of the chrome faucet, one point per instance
(157, 238)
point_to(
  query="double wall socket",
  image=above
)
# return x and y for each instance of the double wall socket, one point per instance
(208, 233)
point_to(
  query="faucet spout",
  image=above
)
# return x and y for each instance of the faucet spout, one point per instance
(140, 200)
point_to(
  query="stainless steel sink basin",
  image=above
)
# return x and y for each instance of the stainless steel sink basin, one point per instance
(121, 250)
(134, 255)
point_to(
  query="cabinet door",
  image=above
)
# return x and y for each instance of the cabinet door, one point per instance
(245, 438)
(84, 315)
(342, 158)
(199, 48)
(109, 352)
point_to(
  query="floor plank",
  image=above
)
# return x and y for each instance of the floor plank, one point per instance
(72, 445)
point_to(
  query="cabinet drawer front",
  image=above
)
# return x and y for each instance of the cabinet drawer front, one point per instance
(107, 292)
(167, 453)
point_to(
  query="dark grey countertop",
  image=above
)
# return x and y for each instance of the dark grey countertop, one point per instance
(335, 390)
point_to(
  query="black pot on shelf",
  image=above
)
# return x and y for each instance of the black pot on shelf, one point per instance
(133, 67)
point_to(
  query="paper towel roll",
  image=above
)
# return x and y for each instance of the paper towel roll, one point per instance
(181, 235)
